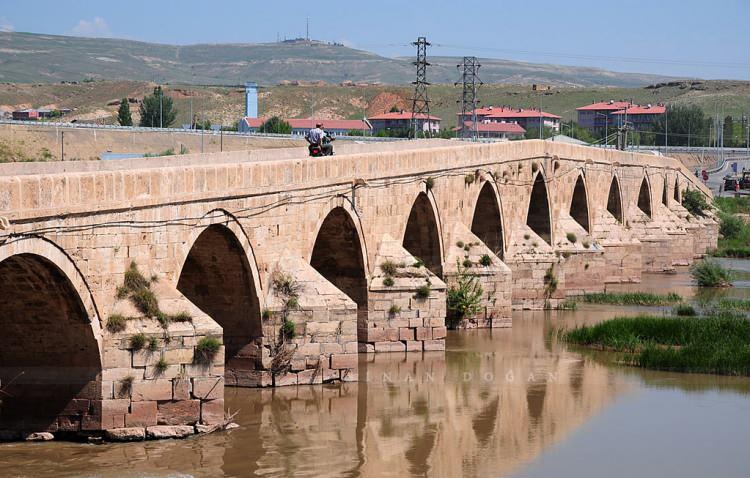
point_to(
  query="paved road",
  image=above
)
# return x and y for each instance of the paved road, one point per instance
(716, 179)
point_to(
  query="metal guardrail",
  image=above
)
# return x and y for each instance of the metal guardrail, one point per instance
(141, 129)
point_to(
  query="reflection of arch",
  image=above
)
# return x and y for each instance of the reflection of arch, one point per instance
(51, 334)
(538, 216)
(487, 223)
(677, 196)
(579, 204)
(339, 256)
(644, 197)
(614, 199)
(422, 236)
(220, 276)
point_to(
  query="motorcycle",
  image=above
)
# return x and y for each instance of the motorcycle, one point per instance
(316, 151)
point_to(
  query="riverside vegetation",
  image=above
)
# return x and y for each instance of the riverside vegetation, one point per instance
(716, 344)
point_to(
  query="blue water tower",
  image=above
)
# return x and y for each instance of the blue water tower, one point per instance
(251, 100)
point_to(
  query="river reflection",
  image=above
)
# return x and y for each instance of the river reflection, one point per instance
(496, 403)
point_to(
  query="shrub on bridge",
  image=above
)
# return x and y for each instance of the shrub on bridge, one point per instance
(464, 298)
(695, 202)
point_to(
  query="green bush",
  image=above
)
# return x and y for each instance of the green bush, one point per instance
(464, 298)
(138, 341)
(467, 263)
(207, 348)
(389, 268)
(116, 323)
(429, 183)
(393, 310)
(684, 310)
(153, 344)
(418, 263)
(288, 329)
(389, 282)
(731, 226)
(572, 238)
(485, 260)
(146, 302)
(161, 366)
(695, 202)
(422, 292)
(709, 273)
(469, 178)
(460, 244)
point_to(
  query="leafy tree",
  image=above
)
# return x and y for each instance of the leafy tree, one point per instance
(729, 131)
(684, 124)
(157, 110)
(395, 109)
(276, 125)
(123, 114)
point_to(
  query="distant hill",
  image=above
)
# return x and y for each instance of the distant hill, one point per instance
(39, 58)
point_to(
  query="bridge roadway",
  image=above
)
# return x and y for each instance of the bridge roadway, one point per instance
(133, 291)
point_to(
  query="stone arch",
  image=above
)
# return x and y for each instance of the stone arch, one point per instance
(51, 353)
(487, 222)
(538, 217)
(614, 199)
(422, 235)
(665, 192)
(339, 255)
(644, 197)
(220, 277)
(677, 195)
(579, 204)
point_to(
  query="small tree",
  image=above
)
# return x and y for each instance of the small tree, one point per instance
(276, 125)
(464, 298)
(123, 114)
(157, 110)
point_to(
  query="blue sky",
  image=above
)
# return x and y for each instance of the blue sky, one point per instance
(691, 38)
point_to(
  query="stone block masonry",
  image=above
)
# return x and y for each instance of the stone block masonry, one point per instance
(369, 240)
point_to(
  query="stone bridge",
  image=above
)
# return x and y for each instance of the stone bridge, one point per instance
(133, 291)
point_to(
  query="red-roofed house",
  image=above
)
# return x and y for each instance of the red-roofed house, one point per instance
(528, 119)
(400, 121)
(302, 126)
(497, 130)
(641, 118)
(599, 116)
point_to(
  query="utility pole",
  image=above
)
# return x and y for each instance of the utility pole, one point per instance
(307, 29)
(62, 145)
(541, 123)
(161, 117)
(470, 82)
(420, 106)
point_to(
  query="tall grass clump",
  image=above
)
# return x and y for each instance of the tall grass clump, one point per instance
(719, 344)
(709, 273)
(684, 310)
(630, 298)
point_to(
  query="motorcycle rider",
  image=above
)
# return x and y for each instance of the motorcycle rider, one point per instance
(318, 137)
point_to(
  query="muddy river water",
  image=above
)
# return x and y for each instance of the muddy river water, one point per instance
(510, 402)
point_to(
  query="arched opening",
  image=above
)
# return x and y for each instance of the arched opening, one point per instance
(49, 355)
(677, 190)
(665, 193)
(487, 223)
(338, 256)
(217, 278)
(644, 198)
(422, 237)
(538, 218)
(614, 201)
(579, 205)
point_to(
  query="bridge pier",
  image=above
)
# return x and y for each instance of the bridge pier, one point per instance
(467, 252)
(406, 307)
